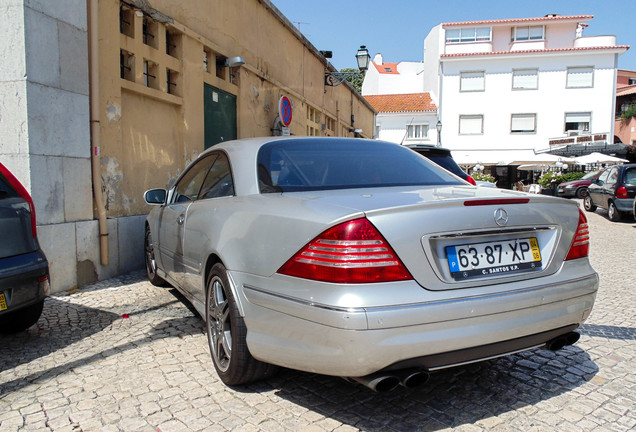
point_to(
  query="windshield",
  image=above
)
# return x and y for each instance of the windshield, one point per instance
(589, 176)
(312, 164)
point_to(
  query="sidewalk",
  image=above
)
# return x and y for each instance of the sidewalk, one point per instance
(123, 355)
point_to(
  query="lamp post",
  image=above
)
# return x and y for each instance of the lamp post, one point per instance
(335, 78)
(438, 126)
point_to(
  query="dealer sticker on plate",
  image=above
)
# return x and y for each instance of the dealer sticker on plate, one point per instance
(3, 302)
(493, 258)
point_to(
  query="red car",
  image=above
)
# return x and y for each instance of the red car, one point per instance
(577, 188)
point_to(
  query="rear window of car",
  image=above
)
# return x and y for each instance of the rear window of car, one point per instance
(446, 161)
(310, 164)
(630, 176)
(6, 191)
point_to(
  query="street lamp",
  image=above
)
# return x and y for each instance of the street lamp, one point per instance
(438, 126)
(336, 78)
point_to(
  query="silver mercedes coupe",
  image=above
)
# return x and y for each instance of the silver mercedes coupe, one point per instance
(362, 259)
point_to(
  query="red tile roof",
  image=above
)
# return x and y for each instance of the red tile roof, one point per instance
(387, 68)
(401, 102)
(537, 51)
(627, 90)
(521, 20)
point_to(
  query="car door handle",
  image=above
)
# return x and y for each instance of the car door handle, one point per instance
(180, 219)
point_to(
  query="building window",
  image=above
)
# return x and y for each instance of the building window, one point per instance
(471, 81)
(150, 32)
(468, 34)
(525, 79)
(150, 74)
(126, 21)
(126, 65)
(173, 43)
(220, 66)
(523, 123)
(580, 77)
(172, 78)
(330, 126)
(208, 59)
(632, 81)
(577, 123)
(417, 132)
(471, 124)
(525, 33)
(313, 121)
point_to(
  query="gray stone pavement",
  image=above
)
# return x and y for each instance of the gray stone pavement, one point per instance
(122, 355)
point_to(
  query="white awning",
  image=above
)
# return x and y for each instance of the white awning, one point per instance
(506, 157)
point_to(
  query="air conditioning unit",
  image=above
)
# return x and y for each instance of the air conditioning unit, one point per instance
(574, 132)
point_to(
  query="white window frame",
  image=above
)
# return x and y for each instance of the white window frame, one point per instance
(473, 76)
(516, 120)
(416, 132)
(469, 117)
(516, 37)
(582, 114)
(524, 80)
(573, 81)
(468, 35)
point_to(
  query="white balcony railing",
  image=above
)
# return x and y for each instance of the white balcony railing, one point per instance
(594, 41)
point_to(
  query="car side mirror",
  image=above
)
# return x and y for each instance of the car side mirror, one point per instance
(155, 196)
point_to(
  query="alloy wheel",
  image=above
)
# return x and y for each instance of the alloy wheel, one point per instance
(151, 264)
(219, 325)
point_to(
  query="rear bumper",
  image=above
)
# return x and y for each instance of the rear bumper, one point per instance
(24, 280)
(625, 205)
(567, 192)
(346, 341)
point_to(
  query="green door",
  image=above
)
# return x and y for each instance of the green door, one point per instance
(219, 115)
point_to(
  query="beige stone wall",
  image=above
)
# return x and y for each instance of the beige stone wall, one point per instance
(149, 134)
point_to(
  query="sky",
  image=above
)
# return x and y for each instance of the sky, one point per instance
(397, 28)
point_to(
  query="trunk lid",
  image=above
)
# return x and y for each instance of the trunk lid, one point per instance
(426, 226)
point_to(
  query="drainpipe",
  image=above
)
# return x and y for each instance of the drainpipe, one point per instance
(93, 53)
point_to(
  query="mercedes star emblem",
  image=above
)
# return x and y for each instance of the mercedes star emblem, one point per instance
(501, 217)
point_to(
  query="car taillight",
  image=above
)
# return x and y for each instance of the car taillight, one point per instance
(471, 180)
(580, 246)
(17, 186)
(352, 252)
(621, 193)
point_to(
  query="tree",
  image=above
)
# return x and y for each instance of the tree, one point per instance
(355, 81)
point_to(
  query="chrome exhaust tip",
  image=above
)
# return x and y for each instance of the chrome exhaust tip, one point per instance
(378, 382)
(563, 340)
(412, 378)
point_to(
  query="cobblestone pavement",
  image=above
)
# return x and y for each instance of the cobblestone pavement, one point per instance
(123, 355)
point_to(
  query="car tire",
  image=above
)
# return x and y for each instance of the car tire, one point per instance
(581, 193)
(613, 213)
(227, 334)
(21, 319)
(151, 263)
(588, 204)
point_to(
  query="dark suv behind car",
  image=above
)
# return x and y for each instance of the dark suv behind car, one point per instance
(442, 157)
(614, 190)
(24, 270)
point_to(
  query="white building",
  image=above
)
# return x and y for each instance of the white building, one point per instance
(405, 118)
(508, 89)
(392, 78)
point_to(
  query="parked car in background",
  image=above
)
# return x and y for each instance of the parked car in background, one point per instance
(359, 258)
(577, 188)
(24, 270)
(614, 190)
(442, 157)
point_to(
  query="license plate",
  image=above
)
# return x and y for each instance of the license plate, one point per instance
(3, 302)
(493, 258)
